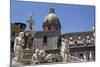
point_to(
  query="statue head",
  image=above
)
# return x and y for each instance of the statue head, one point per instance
(41, 52)
(71, 38)
(21, 34)
(37, 51)
(79, 37)
(87, 37)
(64, 40)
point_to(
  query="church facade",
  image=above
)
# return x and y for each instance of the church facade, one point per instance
(48, 38)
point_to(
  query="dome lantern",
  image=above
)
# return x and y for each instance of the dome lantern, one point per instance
(52, 10)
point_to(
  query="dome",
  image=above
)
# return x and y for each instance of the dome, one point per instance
(51, 22)
(51, 17)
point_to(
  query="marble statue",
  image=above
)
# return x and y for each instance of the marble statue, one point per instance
(18, 46)
(29, 39)
(90, 56)
(36, 57)
(64, 49)
(49, 58)
(80, 40)
(58, 58)
(42, 55)
(71, 41)
(88, 39)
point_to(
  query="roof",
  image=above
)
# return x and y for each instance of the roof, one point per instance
(42, 33)
(78, 33)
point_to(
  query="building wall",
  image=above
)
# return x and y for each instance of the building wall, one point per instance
(51, 41)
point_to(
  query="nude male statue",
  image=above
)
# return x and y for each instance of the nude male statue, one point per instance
(18, 46)
(64, 49)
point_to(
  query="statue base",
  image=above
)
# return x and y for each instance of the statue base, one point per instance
(27, 56)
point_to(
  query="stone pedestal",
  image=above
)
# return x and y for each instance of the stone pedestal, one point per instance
(27, 56)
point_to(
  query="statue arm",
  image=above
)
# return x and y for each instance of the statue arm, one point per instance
(15, 43)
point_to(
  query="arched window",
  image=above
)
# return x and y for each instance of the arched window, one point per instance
(49, 27)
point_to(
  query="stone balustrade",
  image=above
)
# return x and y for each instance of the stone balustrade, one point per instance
(73, 59)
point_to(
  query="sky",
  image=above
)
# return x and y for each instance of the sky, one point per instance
(73, 18)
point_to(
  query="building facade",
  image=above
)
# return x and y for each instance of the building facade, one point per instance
(81, 45)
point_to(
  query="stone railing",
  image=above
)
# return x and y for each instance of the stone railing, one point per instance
(73, 59)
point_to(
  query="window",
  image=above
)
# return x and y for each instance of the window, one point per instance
(81, 54)
(45, 40)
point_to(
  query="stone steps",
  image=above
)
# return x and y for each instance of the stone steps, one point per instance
(26, 61)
